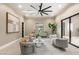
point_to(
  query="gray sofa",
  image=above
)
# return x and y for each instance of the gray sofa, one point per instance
(27, 48)
(60, 42)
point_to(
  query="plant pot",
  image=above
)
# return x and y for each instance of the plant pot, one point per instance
(53, 32)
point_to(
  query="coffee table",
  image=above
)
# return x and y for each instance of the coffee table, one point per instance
(38, 42)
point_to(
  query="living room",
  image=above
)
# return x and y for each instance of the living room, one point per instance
(49, 29)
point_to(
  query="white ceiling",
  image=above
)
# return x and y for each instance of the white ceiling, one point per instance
(26, 10)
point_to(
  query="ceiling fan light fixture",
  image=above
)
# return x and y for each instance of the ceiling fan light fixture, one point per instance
(41, 10)
(20, 6)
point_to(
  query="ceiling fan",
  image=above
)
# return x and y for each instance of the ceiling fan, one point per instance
(41, 10)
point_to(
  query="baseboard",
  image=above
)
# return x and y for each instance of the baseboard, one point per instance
(8, 44)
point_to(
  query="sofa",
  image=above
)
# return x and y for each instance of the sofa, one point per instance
(27, 45)
(27, 48)
(60, 42)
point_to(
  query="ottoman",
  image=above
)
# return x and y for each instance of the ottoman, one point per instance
(61, 42)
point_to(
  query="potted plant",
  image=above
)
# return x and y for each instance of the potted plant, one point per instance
(53, 27)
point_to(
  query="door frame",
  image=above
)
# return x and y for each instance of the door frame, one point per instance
(70, 36)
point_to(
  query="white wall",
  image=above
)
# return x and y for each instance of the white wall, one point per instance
(4, 37)
(70, 11)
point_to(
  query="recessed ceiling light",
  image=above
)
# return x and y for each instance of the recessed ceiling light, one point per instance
(59, 5)
(20, 6)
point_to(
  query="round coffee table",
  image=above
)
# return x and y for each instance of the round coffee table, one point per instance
(38, 42)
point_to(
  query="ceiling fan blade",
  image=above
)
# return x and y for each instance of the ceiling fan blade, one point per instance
(41, 14)
(48, 11)
(46, 8)
(40, 7)
(44, 13)
(33, 7)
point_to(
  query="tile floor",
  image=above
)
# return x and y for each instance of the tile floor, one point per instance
(46, 49)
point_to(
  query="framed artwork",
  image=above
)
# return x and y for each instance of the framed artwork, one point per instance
(12, 23)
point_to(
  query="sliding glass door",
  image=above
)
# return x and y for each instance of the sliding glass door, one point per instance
(75, 30)
(70, 29)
